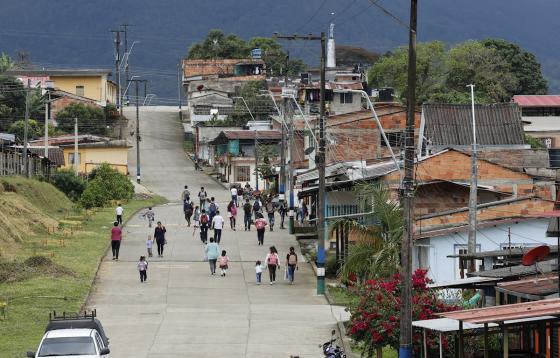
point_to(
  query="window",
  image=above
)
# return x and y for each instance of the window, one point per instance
(395, 139)
(71, 158)
(243, 173)
(80, 90)
(346, 97)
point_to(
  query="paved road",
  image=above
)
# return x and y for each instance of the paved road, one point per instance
(182, 311)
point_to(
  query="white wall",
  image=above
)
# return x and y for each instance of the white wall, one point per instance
(441, 268)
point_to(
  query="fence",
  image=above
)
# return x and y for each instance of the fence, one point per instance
(12, 162)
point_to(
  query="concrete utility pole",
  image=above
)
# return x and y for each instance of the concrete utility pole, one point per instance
(138, 138)
(320, 162)
(282, 177)
(26, 130)
(473, 197)
(407, 196)
(76, 153)
(117, 67)
(47, 103)
(179, 78)
(126, 51)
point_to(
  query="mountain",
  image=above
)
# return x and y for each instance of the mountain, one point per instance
(66, 33)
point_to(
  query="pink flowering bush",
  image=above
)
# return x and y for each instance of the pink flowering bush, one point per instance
(375, 319)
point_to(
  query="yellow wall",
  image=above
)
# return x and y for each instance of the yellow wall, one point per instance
(95, 87)
(111, 92)
(90, 158)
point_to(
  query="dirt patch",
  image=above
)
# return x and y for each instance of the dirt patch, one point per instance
(14, 271)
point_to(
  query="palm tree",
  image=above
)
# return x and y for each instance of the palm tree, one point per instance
(378, 234)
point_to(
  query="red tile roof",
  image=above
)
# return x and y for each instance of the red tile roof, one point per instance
(537, 100)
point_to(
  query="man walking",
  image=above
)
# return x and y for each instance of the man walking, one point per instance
(247, 215)
(270, 211)
(119, 212)
(212, 208)
(204, 223)
(202, 196)
(116, 237)
(217, 225)
(234, 196)
(186, 195)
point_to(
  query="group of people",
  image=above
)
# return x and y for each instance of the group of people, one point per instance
(272, 263)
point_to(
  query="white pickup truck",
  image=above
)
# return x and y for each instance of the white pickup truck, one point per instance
(71, 336)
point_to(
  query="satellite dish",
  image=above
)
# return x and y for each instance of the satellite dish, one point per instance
(535, 255)
(309, 150)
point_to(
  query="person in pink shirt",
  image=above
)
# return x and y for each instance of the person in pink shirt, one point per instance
(116, 237)
(224, 260)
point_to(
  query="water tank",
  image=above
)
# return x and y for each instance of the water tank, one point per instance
(386, 94)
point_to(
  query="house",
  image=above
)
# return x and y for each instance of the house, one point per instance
(203, 135)
(68, 139)
(245, 69)
(235, 154)
(93, 154)
(93, 84)
(61, 99)
(210, 100)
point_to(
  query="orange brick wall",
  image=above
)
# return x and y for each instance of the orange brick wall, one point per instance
(63, 102)
(515, 209)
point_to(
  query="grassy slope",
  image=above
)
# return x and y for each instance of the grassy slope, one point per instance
(30, 301)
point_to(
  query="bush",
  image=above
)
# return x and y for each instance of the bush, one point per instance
(107, 184)
(69, 183)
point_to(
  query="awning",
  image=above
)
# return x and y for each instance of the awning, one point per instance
(465, 282)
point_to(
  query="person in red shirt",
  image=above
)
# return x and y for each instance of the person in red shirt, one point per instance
(116, 237)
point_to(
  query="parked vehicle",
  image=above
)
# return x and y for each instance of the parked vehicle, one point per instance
(75, 335)
(331, 350)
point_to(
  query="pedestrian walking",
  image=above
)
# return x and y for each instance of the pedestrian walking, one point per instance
(186, 195)
(150, 216)
(232, 214)
(270, 212)
(218, 225)
(282, 211)
(212, 253)
(256, 208)
(224, 260)
(234, 195)
(159, 235)
(196, 218)
(212, 208)
(116, 237)
(259, 270)
(291, 264)
(273, 263)
(202, 196)
(143, 268)
(260, 224)
(204, 225)
(149, 245)
(119, 213)
(247, 208)
(188, 210)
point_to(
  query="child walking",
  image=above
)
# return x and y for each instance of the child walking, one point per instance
(224, 260)
(149, 245)
(259, 270)
(143, 268)
(196, 219)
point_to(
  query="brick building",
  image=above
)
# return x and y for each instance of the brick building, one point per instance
(62, 99)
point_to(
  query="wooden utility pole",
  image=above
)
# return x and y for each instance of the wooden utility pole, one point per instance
(473, 197)
(127, 54)
(282, 177)
(117, 76)
(320, 163)
(76, 152)
(407, 195)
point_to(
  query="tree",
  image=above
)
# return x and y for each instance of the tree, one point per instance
(391, 71)
(374, 322)
(34, 129)
(523, 65)
(6, 62)
(91, 120)
(106, 184)
(260, 106)
(377, 249)
(473, 63)
(12, 102)
(69, 183)
(350, 56)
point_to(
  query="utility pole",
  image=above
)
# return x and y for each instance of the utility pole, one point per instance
(47, 104)
(138, 138)
(320, 163)
(26, 130)
(473, 197)
(407, 195)
(179, 78)
(256, 161)
(127, 54)
(282, 177)
(76, 153)
(117, 67)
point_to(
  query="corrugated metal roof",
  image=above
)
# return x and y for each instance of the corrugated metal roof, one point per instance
(517, 271)
(247, 134)
(60, 72)
(537, 100)
(451, 124)
(56, 154)
(503, 313)
(542, 286)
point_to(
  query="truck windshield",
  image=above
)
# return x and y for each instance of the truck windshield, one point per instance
(67, 346)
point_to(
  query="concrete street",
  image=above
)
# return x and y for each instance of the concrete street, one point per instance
(182, 311)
